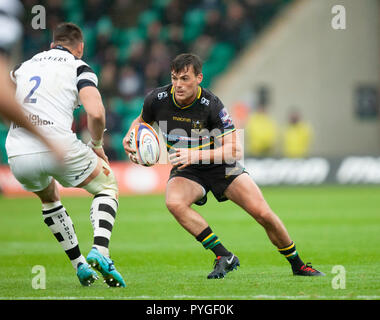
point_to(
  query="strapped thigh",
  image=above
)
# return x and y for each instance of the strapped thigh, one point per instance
(105, 182)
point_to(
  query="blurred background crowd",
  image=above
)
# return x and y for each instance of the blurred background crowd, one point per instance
(284, 72)
(130, 44)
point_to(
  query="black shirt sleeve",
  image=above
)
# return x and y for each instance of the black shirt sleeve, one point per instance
(221, 121)
(147, 110)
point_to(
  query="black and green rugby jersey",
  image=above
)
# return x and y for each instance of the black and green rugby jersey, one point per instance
(196, 126)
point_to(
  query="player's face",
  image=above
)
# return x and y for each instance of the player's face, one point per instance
(185, 85)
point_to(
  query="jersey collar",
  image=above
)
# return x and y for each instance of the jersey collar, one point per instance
(59, 47)
(191, 104)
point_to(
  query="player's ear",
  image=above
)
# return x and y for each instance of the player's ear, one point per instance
(200, 78)
(80, 49)
(52, 45)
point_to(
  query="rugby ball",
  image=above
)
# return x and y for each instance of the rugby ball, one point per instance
(144, 140)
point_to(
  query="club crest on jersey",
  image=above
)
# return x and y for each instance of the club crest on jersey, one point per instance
(197, 124)
(225, 117)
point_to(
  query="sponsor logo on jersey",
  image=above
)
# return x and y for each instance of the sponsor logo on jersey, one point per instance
(176, 137)
(205, 101)
(162, 95)
(35, 120)
(181, 119)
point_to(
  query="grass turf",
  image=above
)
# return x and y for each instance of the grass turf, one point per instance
(331, 225)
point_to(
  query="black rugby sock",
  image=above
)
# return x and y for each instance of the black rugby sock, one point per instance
(292, 256)
(210, 241)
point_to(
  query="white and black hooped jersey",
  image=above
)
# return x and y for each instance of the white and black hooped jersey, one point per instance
(48, 88)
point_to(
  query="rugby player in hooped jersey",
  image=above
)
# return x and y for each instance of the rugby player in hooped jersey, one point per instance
(203, 149)
(50, 86)
(10, 34)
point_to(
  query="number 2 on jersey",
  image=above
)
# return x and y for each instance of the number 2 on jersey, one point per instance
(28, 98)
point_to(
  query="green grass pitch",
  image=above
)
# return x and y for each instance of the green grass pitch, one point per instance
(331, 225)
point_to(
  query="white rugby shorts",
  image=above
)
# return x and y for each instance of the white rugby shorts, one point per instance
(35, 171)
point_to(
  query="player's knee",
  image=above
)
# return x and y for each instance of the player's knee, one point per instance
(263, 217)
(49, 194)
(105, 183)
(175, 206)
(261, 212)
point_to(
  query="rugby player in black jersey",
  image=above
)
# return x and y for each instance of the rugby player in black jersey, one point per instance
(203, 149)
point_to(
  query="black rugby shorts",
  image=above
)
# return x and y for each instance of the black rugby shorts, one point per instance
(214, 178)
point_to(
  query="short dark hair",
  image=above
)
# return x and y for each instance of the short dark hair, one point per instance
(67, 33)
(185, 60)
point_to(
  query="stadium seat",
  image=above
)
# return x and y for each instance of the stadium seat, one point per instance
(193, 23)
(89, 35)
(73, 11)
(160, 4)
(120, 106)
(124, 38)
(220, 56)
(104, 26)
(147, 17)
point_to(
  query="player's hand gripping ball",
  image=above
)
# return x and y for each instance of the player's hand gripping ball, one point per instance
(143, 138)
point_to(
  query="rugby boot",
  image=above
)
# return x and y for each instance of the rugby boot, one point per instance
(86, 275)
(223, 265)
(307, 270)
(106, 267)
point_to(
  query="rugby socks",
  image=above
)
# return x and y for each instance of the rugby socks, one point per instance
(102, 216)
(292, 256)
(60, 224)
(210, 241)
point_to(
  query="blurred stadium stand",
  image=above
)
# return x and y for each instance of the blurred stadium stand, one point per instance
(332, 76)
(130, 44)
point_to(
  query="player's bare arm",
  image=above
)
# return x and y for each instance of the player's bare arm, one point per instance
(11, 110)
(230, 149)
(96, 119)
